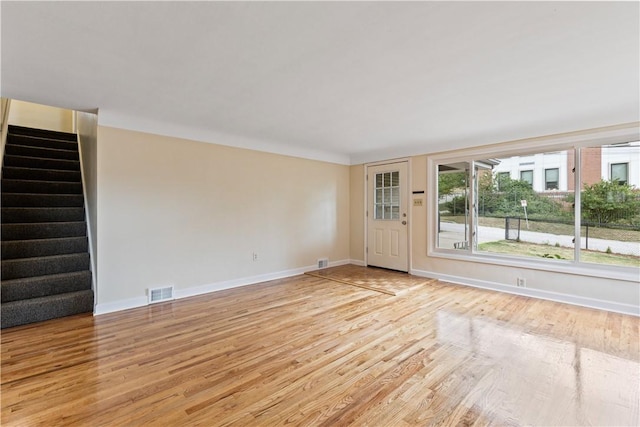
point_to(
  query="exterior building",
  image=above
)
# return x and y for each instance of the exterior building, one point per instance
(554, 171)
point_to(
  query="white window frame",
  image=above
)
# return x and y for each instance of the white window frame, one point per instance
(569, 141)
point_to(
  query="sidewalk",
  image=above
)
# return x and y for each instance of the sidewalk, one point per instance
(451, 233)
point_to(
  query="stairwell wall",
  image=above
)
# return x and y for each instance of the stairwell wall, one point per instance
(5, 104)
(87, 129)
(39, 116)
(191, 214)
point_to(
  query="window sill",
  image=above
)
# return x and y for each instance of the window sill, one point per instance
(627, 274)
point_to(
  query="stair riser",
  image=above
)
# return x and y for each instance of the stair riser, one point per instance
(39, 309)
(36, 248)
(33, 141)
(42, 133)
(41, 174)
(30, 267)
(37, 163)
(37, 287)
(40, 187)
(25, 215)
(42, 200)
(50, 230)
(45, 153)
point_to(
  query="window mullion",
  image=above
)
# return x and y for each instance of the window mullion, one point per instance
(473, 202)
(577, 211)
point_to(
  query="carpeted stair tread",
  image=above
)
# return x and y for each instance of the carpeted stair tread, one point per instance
(41, 163)
(40, 187)
(15, 249)
(38, 141)
(41, 286)
(32, 310)
(34, 200)
(49, 153)
(44, 248)
(41, 174)
(42, 266)
(43, 230)
(20, 215)
(43, 133)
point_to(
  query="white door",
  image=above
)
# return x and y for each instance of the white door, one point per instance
(387, 222)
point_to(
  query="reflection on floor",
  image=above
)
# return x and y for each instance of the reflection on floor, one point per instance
(376, 279)
(311, 351)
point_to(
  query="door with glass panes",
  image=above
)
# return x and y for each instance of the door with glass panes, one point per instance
(387, 221)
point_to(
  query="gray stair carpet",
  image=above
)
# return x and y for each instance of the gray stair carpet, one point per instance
(45, 253)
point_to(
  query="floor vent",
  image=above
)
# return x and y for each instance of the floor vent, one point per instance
(323, 263)
(160, 294)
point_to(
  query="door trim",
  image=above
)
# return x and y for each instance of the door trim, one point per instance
(406, 160)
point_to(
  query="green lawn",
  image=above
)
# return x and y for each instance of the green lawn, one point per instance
(548, 251)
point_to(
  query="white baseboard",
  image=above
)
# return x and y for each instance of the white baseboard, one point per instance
(357, 262)
(616, 307)
(120, 305)
(335, 263)
(212, 287)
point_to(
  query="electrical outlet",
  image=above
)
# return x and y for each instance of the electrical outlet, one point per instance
(255, 256)
(521, 282)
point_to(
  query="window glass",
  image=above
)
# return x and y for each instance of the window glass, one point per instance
(620, 172)
(387, 195)
(610, 208)
(551, 179)
(515, 217)
(482, 210)
(453, 200)
(527, 176)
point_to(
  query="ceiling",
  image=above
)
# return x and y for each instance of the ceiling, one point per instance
(347, 82)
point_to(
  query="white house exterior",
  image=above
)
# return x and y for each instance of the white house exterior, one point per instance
(552, 171)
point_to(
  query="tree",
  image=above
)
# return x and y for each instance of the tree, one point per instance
(447, 182)
(499, 203)
(506, 201)
(610, 201)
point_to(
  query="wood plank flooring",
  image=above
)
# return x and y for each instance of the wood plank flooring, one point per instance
(311, 351)
(375, 279)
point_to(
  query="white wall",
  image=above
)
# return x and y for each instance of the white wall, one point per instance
(191, 214)
(356, 224)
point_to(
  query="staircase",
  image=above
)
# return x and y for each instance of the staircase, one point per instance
(45, 257)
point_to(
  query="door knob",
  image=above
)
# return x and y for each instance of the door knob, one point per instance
(404, 222)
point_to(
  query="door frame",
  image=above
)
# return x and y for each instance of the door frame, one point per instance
(406, 160)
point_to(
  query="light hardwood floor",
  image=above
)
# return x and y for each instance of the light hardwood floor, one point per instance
(311, 351)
